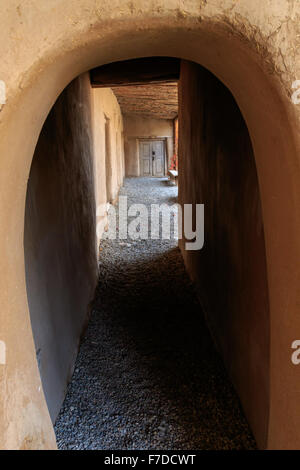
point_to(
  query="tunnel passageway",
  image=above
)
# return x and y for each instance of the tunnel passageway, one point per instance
(147, 375)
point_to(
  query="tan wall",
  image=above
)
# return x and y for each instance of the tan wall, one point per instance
(253, 48)
(59, 239)
(217, 169)
(67, 182)
(140, 127)
(106, 108)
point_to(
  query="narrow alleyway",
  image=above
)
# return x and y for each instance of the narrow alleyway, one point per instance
(147, 375)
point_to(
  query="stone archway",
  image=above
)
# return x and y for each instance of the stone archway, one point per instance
(235, 45)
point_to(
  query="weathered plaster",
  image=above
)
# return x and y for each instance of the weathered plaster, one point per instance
(253, 47)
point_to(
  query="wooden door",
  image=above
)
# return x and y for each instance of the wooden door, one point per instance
(158, 157)
(152, 158)
(146, 158)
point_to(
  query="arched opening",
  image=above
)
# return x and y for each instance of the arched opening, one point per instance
(217, 169)
(270, 122)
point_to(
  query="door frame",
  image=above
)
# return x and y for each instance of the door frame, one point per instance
(152, 139)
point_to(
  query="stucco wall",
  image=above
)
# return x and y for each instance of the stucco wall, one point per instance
(109, 169)
(59, 239)
(217, 168)
(140, 127)
(253, 47)
(67, 183)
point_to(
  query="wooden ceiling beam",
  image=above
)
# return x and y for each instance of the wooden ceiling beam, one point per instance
(136, 72)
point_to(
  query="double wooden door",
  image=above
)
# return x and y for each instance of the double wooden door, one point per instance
(152, 157)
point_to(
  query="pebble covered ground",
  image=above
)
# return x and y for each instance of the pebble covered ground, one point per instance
(147, 375)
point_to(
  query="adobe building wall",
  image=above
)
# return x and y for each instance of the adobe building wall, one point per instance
(217, 169)
(253, 48)
(67, 183)
(106, 112)
(59, 238)
(142, 127)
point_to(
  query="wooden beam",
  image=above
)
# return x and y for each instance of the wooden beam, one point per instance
(136, 72)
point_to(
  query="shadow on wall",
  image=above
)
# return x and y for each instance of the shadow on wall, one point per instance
(60, 244)
(217, 168)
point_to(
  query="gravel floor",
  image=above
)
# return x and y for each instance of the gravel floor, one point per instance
(147, 375)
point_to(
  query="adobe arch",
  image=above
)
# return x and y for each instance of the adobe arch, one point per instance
(90, 38)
